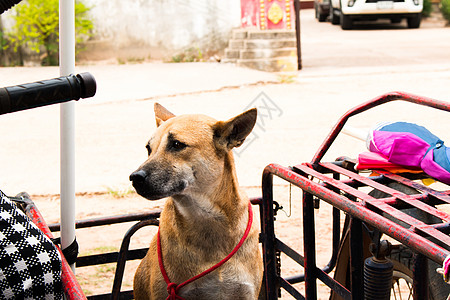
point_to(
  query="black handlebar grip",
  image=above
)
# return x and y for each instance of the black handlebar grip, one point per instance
(41, 93)
(7, 4)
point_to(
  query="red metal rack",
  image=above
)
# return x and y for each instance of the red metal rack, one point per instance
(338, 183)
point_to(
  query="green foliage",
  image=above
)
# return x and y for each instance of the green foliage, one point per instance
(190, 55)
(120, 193)
(445, 9)
(37, 27)
(426, 12)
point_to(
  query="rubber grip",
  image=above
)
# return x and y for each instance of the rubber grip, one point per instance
(46, 92)
(7, 4)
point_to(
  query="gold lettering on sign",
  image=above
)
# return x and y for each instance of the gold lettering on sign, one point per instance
(275, 13)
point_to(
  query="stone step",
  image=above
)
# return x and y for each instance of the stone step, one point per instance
(271, 34)
(267, 53)
(266, 50)
(239, 34)
(270, 44)
(236, 44)
(232, 53)
(278, 64)
(262, 43)
(229, 60)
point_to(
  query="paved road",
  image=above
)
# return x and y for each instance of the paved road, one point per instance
(341, 70)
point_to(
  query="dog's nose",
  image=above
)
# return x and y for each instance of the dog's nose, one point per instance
(138, 176)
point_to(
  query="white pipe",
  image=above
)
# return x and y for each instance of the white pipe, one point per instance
(67, 124)
(355, 132)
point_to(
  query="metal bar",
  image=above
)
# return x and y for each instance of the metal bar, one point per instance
(366, 198)
(443, 196)
(290, 252)
(126, 295)
(336, 238)
(444, 227)
(333, 182)
(335, 250)
(334, 285)
(420, 277)
(123, 255)
(368, 105)
(378, 203)
(415, 224)
(309, 244)
(393, 201)
(291, 290)
(356, 259)
(67, 125)
(295, 278)
(256, 200)
(298, 34)
(110, 220)
(268, 237)
(106, 258)
(406, 198)
(336, 217)
(408, 238)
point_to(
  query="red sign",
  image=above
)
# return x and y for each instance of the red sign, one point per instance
(267, 14)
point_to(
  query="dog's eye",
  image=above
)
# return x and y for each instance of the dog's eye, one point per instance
(177, 145)
(149, 150)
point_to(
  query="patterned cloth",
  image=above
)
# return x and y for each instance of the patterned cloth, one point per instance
(30, 265)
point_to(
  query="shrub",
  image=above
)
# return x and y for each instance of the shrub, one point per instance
(37, 27)
(189, 55)
(445, 9)
(426, 12)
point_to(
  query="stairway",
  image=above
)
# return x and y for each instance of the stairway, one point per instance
(265, 50)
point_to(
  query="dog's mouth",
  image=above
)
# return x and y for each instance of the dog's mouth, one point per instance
(156, 187)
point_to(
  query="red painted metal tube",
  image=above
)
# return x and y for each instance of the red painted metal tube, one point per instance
(370, 104)
(71, 287)
(416, 225)
(356, 209)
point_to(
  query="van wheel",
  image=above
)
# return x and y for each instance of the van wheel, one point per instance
(320, 17)
(414, 21)
(334, 17)
(346, 22)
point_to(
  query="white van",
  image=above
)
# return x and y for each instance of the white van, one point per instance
(344, 12)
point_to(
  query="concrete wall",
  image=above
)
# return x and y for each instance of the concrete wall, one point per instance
(159, 28)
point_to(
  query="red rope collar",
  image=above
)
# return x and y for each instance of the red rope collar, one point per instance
(173, 288)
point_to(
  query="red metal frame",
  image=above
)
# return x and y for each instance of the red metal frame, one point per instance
(71, 287)
(338, 185)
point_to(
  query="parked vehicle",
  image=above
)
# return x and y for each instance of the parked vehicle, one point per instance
(322, 9)
(345, 12)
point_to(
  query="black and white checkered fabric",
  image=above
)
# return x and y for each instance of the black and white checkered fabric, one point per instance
(30, 265)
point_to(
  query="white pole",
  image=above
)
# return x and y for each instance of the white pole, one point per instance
(357, 133)
(67, 121)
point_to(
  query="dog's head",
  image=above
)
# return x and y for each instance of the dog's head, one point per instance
(186, 153)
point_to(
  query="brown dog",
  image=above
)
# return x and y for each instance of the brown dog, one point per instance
(205, 217)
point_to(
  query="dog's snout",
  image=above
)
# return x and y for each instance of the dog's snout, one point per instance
(138, 176)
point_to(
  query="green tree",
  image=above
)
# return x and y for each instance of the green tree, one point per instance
(426, 12)
(445, 9)
(37, 27)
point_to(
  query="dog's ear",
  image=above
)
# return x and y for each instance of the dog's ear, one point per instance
(161, 114)
(232, 133)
